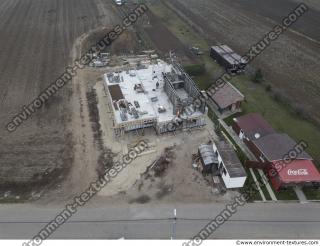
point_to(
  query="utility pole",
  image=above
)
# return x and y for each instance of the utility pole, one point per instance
(173, 225)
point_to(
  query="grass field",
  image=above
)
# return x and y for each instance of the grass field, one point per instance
(313, 194)
(280, 116)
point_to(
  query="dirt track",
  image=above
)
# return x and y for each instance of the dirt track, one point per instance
(35, 45)
(39, 39)
(291, 63)
(156, 33)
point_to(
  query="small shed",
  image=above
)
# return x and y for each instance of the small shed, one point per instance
(209, 159)
(225, 99)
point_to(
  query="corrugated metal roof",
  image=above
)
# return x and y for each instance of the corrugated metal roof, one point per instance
(229, 55)
(207, 154)
(230, 159)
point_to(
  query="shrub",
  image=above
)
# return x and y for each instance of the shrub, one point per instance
(280, 97)
(258, 76)
(301, 112)
(268, 88)
(141, 199)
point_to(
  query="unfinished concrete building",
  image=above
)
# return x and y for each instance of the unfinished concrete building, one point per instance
(154, 94)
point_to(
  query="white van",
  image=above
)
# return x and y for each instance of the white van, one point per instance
(119, 2)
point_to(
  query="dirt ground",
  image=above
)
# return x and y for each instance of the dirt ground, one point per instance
(55, 148)
(179, 182)
(291, 64)
(93, 134)
(62, 145)
(35, 45)
(88, 120)
(156, 33)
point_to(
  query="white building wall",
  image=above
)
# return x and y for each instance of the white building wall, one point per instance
(233, 182)
(229, 182)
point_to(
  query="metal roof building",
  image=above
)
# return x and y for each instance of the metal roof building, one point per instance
(231, 169)
(226, 57)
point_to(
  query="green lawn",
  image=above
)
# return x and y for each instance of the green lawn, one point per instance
(248, 187)
(178, 27)
(286, 195)
(279, 115)
(312, 194)
(263, 187)
(13, 200)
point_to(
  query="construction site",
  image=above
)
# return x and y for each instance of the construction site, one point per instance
(153, 94)
(143, 97)
(138, 88)
(148, 122)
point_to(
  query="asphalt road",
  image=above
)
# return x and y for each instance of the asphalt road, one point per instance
(270, 220)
